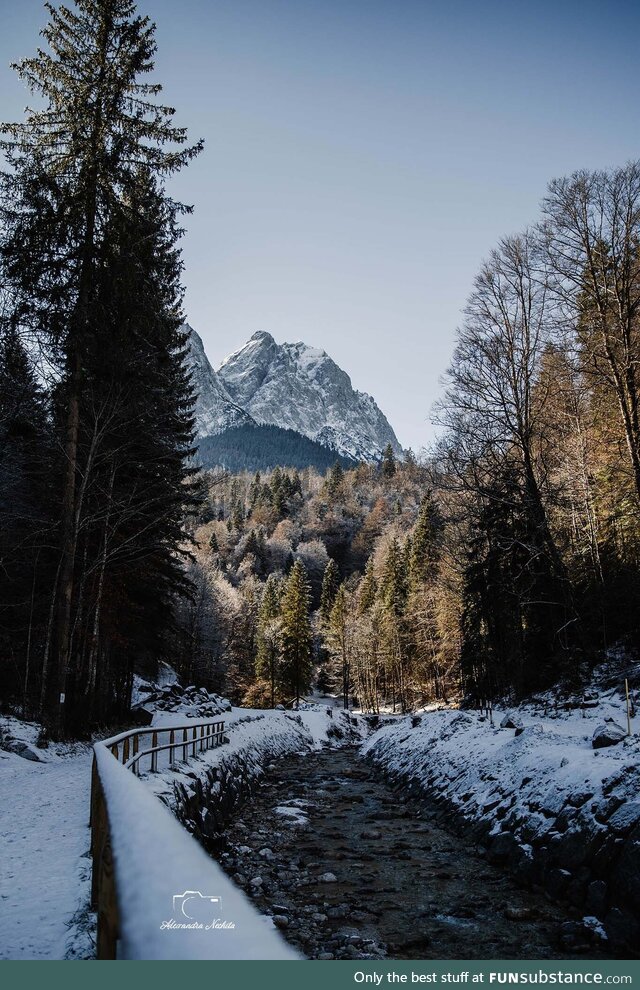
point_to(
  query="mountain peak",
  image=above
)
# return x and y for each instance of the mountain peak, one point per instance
(290, 386)
(215, 410)
(299, 387)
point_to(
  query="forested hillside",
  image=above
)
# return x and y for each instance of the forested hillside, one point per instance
(261, 448)
(508, 560)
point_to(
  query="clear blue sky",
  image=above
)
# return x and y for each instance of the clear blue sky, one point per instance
(362, 157)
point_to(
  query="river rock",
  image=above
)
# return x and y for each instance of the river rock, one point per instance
(503, 847)
(514, 913)
(596, 902)
(626, 817)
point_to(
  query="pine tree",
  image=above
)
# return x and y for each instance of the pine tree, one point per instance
(393, 598)
(255, 490)
(368, 589)
(251, 546)
(335, 480)
(74, 167)
(296, 484)
(269, 638)
(338, 640)
(330, 585)
(423, 547)
(27, 527)
(140, 481)
(296, 632)
(237, 517)
(393, 585)
(388, 462)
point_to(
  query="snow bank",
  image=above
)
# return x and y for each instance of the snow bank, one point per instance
(551, 808)
(156, 862)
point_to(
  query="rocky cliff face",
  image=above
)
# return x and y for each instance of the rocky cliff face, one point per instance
(215, 410)
(292, 386)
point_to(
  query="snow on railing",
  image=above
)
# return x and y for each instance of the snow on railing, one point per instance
(157, 893)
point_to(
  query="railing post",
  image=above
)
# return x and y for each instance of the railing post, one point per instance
(195, 736)
(172, 738)
(107, 935)
(103, 892)
(96, 827)
(154, 756)
(136, 765)
(201, 738)
(125, 750)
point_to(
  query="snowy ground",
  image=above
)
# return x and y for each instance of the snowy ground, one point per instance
(462, 754)
(545, 788)
(44, 834)
(44, 840)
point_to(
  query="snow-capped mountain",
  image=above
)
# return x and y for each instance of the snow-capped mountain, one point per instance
(291, 386)
(301, 388)
(215, 410)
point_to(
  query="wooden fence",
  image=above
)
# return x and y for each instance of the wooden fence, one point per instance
(132, 749)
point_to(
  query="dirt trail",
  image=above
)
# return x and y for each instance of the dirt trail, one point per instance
(349, 870)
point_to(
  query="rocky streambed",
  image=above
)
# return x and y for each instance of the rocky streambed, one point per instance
(350, 869)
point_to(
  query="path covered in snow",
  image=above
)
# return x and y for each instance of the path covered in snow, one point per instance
(44, 837)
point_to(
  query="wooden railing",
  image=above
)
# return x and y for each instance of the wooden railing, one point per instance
(131, 749)
(186, 740)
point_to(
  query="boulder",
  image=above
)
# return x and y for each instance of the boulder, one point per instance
(626, 817)
(511, 722)
(608, 734)
(504, 846)
(622, 928)
(23, 749)
(597, 898)
(140, 716)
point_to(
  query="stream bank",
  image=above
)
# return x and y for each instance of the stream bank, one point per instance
(350, 869)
